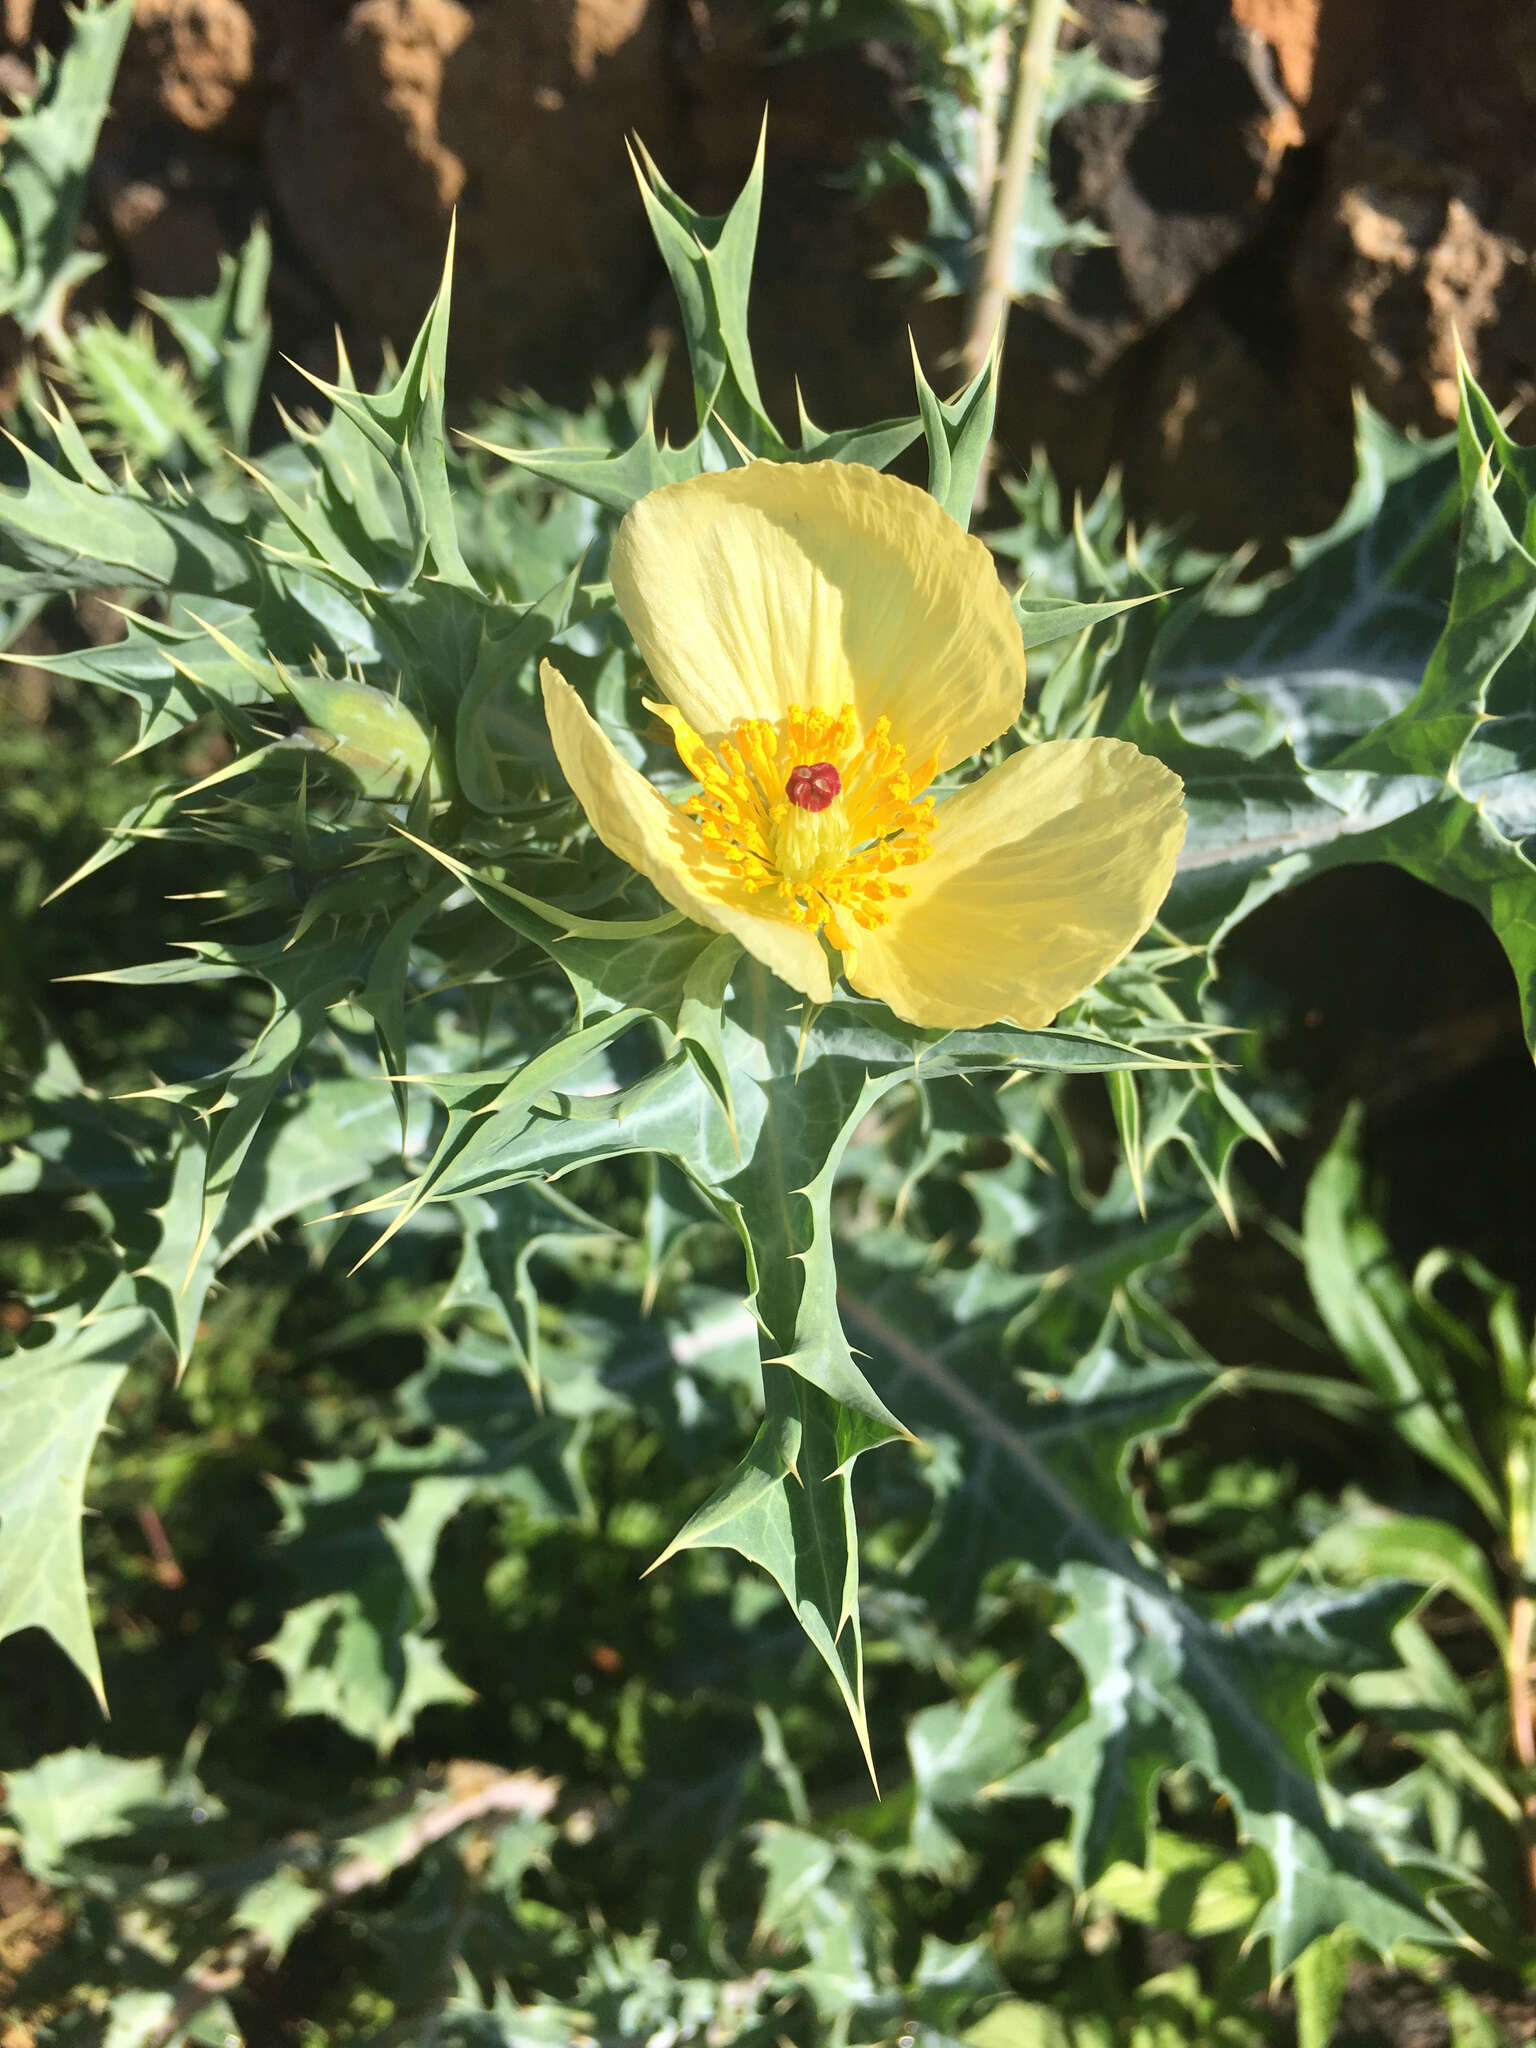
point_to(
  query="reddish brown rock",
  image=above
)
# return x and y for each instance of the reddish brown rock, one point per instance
(169, 240)
(1242, 453)
(1177, 182)
(212, 67)
(195, 57)
(516, 116)
(1399, 266)
(1312, 194)
(1322, 53)
(821, 316)
(1424, 229)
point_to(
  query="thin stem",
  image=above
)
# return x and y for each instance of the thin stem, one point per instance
(989, 307)
(495, 1796)
(167, 1570)
(1522, 1722)
(500, 1794)
(992, 104)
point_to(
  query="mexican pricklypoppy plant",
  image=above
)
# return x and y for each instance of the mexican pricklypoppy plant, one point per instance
(831, 645)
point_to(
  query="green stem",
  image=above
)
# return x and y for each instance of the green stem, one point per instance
(988, 320)
(989, 307)
(991, 109)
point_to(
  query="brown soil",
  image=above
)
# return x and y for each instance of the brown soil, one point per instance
(31, 1922)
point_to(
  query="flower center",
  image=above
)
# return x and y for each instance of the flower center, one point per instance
(813, 785)
(803, 807)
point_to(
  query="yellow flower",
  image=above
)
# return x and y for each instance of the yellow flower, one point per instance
(829, 641)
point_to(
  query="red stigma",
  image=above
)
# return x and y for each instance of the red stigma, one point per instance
(813, 785)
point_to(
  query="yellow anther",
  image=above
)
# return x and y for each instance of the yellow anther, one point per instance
(829, 869)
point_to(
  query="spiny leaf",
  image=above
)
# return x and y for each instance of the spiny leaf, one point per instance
(941, 151)
(613, 480)
(709, 260)
(227, 335)
(877, 445)
(1235, 1700)
(403, 425)
(500, 741)
(360, 1653)
(135, 404)
(1043, 1484)
(56, 1394)
(770, 1169)
(47, 156)
(1045, 619)
(958, 432)
(1322, 654)
(1493, 603)
(788, 1508)
(959, 1750)
(1364, 1298)
(174, 670)
(503, 1232)
(60, 534)
(1317, 761)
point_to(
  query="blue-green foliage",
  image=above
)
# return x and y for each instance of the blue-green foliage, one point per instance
(963, 53)
(44, 161)
(672, 1257)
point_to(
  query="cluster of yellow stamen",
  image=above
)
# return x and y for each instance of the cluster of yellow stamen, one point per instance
(830, 843)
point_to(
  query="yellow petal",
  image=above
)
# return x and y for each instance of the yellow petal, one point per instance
(1044, 873)
(820, 583)
(635, 821)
